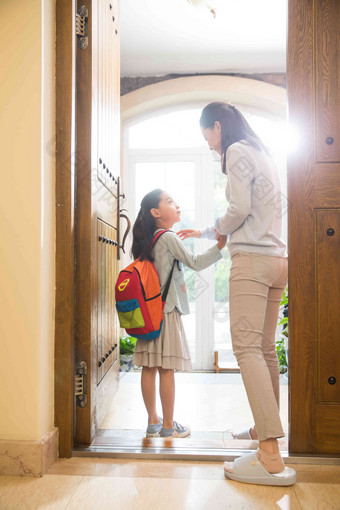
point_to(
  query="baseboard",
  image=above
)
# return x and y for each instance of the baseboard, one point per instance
(28, 458)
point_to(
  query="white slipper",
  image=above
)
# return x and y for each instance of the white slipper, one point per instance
(244, 434)
(248, 469)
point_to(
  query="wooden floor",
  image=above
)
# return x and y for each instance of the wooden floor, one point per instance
(92, 484)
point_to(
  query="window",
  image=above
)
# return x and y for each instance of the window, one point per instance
(166, 150)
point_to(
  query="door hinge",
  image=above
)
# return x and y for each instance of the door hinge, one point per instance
(82, 18)
(80, 384)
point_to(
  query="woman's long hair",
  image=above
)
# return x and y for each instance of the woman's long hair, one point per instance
(145, 226)
(234, 127)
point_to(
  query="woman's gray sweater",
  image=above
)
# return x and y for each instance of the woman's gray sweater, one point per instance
(255, 203)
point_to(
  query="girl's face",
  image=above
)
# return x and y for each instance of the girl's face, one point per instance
(167, 213)
(213, 137)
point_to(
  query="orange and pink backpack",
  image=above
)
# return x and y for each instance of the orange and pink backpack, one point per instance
(139, 301)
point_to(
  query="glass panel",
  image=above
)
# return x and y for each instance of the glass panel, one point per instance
(180, 182)
(222, 270)
(148, 177)
(167, 176)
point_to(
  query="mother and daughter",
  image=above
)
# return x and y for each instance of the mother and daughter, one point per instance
(258, 277)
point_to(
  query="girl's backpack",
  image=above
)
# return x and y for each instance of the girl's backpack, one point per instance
(139, 301)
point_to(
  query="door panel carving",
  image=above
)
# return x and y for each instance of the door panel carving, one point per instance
(327, 83)
(328, 294)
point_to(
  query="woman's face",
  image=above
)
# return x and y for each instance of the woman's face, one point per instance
(213, 137)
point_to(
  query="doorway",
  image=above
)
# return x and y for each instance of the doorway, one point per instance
(158, 154)
(313, 187)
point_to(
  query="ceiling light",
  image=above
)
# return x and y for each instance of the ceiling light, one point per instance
(205, 4)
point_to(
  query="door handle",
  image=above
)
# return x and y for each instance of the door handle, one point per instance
(128, 228)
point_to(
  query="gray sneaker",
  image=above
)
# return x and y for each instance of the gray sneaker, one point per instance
(177, 431)
(154, 430)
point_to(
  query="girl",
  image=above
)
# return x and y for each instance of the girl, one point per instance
(168, 352)
(258, 277)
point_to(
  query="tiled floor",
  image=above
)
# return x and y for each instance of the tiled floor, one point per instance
(212, 404)
(91, 484)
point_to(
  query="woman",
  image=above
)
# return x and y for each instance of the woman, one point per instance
(258, 277)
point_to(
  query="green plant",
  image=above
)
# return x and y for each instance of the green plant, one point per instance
(282, 341)
(127, 345)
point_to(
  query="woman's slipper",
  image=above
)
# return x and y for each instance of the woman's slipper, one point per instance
(248, 469)
(244, 434)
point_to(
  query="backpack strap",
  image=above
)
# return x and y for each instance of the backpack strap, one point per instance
(157, 236)
(167, 285)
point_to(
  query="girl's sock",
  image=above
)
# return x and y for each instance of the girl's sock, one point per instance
(272, 462)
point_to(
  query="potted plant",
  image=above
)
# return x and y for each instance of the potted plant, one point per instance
(282, 342)
(126, 350)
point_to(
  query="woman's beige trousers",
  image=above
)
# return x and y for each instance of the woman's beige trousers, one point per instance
(256, 286)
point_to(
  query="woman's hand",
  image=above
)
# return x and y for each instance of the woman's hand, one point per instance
(188, 232)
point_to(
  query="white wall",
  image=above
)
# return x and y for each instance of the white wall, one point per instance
(27, 212)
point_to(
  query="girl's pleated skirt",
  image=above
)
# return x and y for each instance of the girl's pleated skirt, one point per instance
(170, 350)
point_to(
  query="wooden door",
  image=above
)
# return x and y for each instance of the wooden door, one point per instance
(313, 80)
(97, 196)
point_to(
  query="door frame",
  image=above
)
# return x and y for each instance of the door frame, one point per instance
(65, 206)
(65, 194)
(65, 222)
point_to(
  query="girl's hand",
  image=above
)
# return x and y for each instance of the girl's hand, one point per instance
(188, 232)
(222, 241)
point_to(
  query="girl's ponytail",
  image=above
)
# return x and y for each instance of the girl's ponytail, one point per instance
(145, 226)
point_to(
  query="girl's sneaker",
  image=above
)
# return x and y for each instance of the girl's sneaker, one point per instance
(177, 431)
(154, 430)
